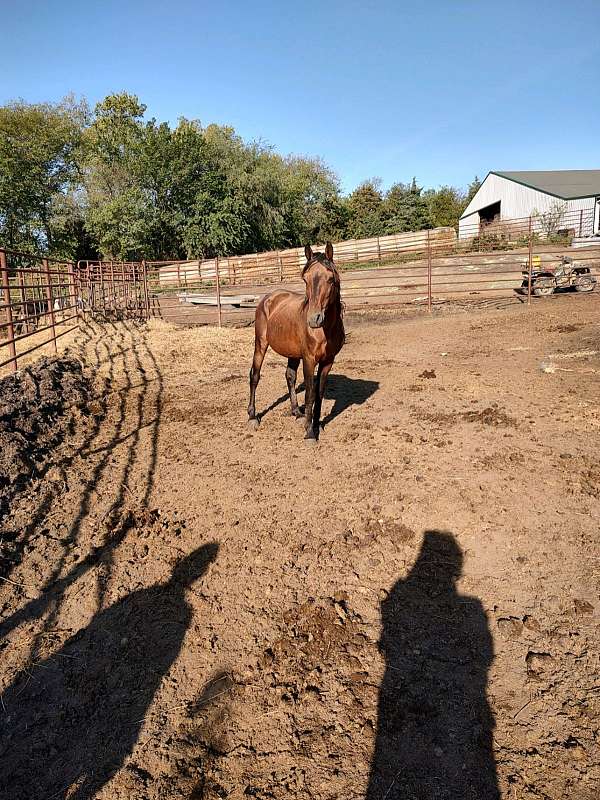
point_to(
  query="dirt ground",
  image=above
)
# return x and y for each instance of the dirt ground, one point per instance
(189, 609)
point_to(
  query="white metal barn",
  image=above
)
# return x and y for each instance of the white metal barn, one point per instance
(516, 195)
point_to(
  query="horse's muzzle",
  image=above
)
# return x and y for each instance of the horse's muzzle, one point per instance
(316, 320)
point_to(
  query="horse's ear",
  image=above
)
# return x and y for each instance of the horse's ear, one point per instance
(329, 251)
(307, 252)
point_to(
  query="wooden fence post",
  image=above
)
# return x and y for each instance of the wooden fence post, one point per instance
(429, 270)
(218, 290)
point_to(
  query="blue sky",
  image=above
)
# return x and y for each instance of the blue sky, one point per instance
(440, 90)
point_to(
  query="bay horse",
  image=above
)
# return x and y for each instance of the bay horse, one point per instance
(307, 328)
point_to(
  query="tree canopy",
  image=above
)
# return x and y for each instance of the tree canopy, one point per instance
(114, 183)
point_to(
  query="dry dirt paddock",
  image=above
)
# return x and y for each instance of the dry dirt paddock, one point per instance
(409, 610)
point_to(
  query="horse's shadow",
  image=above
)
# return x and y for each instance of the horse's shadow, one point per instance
(344, 391)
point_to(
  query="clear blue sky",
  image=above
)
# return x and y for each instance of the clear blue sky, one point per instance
(437, 89)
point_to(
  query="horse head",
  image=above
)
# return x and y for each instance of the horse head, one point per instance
(322, 285)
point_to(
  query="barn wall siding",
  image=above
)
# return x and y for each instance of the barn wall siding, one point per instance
(516, 201)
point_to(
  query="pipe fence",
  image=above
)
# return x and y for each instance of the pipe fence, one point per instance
(38, 305)
(43, 299)
(495, 258)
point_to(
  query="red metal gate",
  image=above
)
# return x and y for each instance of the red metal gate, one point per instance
(43, 299)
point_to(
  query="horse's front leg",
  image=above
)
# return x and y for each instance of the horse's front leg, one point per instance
(308, 367)
(322, 373)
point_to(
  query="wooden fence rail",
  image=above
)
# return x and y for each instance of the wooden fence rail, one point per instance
(283, 265)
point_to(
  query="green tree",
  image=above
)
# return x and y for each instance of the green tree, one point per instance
(472, 190)
(406, 209)
(119, 212)
(39, 148)
(311, 205)
(445, 206)
(126, 187)
(366, 210)
(251, 199)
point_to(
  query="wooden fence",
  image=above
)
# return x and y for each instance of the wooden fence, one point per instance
(284, 265)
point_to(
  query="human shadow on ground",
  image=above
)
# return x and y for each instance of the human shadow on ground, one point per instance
(70, 722)
(344, 391)
(434, 732)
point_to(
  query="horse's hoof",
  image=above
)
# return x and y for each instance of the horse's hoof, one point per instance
(299, 417)
(311, 441)
(253, 424)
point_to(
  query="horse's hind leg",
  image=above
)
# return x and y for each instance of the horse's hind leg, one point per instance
(290, 376)
(260, 349)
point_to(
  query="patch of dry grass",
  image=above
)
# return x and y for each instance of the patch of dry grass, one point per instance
(206, 352)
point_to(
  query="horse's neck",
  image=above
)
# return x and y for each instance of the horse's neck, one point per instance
(333, 318)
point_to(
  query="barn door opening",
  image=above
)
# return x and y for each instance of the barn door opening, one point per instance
(597, 217)
(489, 214)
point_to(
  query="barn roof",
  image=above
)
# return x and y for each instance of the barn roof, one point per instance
(568, 184)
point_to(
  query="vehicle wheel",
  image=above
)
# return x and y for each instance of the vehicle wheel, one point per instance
(585, 283)
(543, 287)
